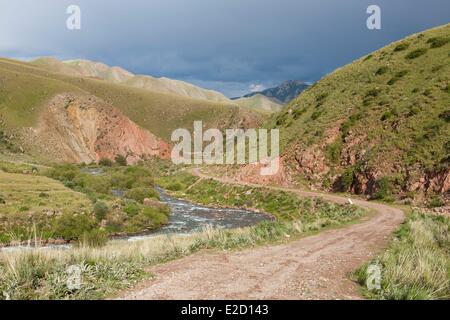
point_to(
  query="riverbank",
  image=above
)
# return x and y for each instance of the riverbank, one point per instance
(43, 275)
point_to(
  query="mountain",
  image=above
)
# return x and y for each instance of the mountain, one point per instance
(84, 68)
(285, 92)
(181, 88)
(260, 102)
(90, 69)
(100, 70)
(379, 126)
(58, 117)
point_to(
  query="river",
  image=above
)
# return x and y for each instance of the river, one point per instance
(185, 218)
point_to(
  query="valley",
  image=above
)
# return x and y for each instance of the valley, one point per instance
(364, 180)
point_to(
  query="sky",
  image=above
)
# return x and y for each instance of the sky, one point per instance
(233, 46)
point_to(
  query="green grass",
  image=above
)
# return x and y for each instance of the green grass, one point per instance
(416, 265)
(33, 204)
(72, 204)
(285, 206)
(179, 181)
(386, 111)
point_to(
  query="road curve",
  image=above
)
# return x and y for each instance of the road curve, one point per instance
(314, 267)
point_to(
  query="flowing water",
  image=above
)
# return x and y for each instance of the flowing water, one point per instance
(187, 217)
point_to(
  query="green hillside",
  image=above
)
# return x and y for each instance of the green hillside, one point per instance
(260, 103)
(25, 88)
(379, 125)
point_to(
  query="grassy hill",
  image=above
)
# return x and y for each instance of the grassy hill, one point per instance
(90, 69)
(26, 88)
(377, 126)
(260, 103)
(176, 87)
(84, 68)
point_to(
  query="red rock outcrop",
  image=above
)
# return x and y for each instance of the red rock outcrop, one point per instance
(86, 129)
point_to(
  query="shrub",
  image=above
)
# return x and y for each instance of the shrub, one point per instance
(382, 70)
(101, 209)
(435, 201)
(438, 42)
(105, 162)
(397, 77)
(333, 152)
(119, 180)
(402, 46)
(141, 193)
(383, 187)
(281, 118)
(270, 229)
(297, 113)
(71, 227)
(175, 186)
(139, 174)
(93, 238)
(157, 215)
(372, 93)
(445, 116)
(132, 209)
(144, 182)
(121, 160)
(139, 223)
(347, 178)
(327, 183)
(183, 179)
(347, 125)
(316, 115)
(320, 99)
(98, 184)
(64, 172)
(388, 115)
(416, 53)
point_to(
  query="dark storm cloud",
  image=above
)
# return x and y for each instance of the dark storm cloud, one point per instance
(222, 44)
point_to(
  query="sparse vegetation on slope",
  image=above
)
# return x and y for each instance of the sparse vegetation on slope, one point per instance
(380, 117)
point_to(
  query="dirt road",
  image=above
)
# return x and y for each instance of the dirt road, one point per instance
(314, 267)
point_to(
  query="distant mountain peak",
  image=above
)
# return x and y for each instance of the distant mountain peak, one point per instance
(284, 93)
